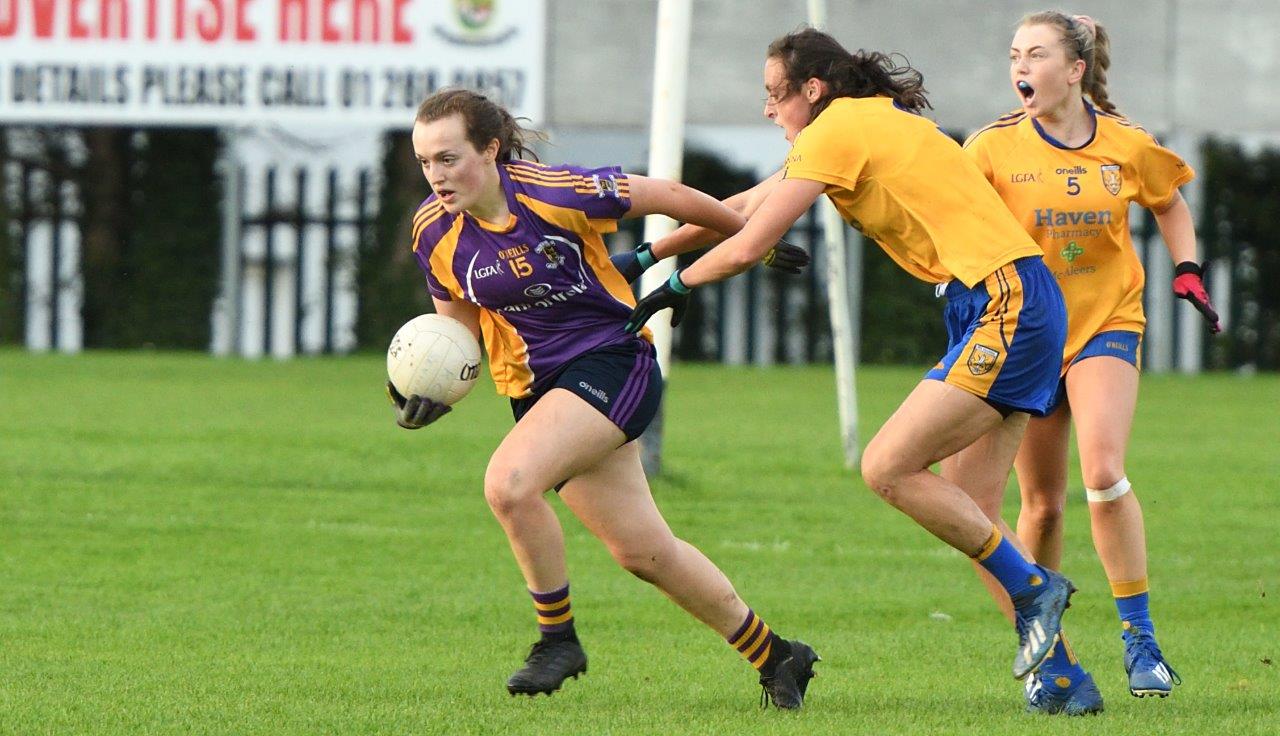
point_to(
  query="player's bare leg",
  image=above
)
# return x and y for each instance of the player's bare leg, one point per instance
(614, 502)
(938, 420)
(935, 421)
(1104, 392)
(558, 438)
(1042, 482)
(981, 469)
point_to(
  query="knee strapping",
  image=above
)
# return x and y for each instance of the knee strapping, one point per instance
(1108, 494)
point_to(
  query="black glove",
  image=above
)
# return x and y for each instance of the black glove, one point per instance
(1188, 283)
(416, 411)
(673, 294)
(631, 264)
(786, 257)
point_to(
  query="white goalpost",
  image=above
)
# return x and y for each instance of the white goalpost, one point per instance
(844, 292)
(666, 150)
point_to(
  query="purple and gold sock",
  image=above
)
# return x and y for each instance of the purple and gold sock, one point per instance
(555, 618)
(754, 640)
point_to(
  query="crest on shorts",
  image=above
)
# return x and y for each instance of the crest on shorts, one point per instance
(1111, 178)
(982, 359)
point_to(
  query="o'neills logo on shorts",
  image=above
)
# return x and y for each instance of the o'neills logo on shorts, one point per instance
(594, 391)
(982, 359)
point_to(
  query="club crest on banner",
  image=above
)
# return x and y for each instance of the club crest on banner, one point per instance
(474, 21)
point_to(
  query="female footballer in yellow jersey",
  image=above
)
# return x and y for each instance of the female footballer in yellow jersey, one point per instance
(1068, 168)
(857, 136)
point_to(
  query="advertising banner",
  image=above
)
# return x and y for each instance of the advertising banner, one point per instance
(250, 62)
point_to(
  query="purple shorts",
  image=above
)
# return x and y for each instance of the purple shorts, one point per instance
(622, 381)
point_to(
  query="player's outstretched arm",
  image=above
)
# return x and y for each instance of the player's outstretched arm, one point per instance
(784, 204)
(688, 238)
(1179, 232)
(789, 200)
(683, 203)
(783, 256)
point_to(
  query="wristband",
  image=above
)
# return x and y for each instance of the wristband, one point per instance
(1187, 267)
(644, 255)
(676, 284)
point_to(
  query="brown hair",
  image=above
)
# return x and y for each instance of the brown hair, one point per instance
(1086, 41)
(809, 53)
(484, 120)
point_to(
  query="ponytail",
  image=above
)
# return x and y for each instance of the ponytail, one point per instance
(809, 53)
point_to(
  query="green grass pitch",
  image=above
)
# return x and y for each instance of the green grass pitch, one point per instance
(189, 545)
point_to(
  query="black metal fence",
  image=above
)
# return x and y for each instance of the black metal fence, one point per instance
(42, 239)
(311, 252)
(311, 235)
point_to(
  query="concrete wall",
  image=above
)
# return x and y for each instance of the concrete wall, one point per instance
(1187, 65)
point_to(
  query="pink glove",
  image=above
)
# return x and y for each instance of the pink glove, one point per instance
(1188, 283)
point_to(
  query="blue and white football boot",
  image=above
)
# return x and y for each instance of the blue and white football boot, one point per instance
(1149, 673)
(1079, 698)
(1038, 619)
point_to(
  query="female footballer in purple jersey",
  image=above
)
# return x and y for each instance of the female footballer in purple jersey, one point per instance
(1093, 162)
(513, 250)
(857, 136)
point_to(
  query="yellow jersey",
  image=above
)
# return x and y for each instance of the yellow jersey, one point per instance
(902, 182)
(1075, 203)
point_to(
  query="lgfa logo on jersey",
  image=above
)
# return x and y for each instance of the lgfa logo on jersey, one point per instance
(485, 272)
(1111, 178)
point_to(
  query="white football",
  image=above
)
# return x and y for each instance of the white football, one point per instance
(434, 356)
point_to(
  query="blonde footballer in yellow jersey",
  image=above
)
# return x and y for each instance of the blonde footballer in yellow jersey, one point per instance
(857, 136)
(1068, 168)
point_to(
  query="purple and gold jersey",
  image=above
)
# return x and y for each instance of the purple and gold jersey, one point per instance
(1075, 203)
(547, 290)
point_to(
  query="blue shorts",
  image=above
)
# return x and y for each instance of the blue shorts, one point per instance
(1005, 338)
(1123, 344)
(622, 381)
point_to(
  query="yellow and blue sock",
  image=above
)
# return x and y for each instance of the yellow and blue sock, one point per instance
(1061, 671)
(555, 616)
(1133, 604)
(1003, 560)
